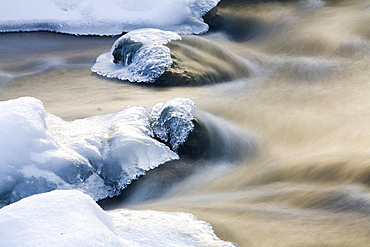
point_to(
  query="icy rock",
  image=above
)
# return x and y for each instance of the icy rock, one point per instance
(71, 218)
(138, 56)
(100, 155)
(172, 121)
(166, 59)
(109, 17)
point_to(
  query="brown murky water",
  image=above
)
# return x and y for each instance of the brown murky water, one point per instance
(307, 101)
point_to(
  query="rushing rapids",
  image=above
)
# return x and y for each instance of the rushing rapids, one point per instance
(279, 154)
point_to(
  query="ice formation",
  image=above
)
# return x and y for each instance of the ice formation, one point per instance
(71, 218)
(173, 120)
(138, 56)
(109, 17)
(99, 155)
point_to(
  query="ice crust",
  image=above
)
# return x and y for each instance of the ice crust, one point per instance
(173, 120)
(108, 17)
(71, 218)
(138, 56)
(99, 155)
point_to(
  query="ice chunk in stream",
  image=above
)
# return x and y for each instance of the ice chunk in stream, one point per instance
(138, 56)
(100, 155)
(108, 17)
(173, 120)
(71, 218)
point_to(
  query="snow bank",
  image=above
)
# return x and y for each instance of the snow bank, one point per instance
(100, 155)
(138, 56)
(70, 218)
(58, 218)
(108, 17)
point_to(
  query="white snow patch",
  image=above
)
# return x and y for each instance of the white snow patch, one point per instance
(71, 218)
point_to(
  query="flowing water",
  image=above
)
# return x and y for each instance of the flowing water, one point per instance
(301, 172)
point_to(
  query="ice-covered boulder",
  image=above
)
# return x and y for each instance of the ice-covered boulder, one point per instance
(166, 59)
(109, 17)
(100, 155)
(172, 121)
(138, 56)
(71, 218)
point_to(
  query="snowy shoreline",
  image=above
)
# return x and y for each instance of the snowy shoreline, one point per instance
(71, 218)
(110, 17)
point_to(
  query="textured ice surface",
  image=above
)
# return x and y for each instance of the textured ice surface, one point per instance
(70, 218)
(108, 17)
(138, 56)
(173, 120)
(100, 155)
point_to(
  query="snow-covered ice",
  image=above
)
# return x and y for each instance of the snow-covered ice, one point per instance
(173, 120)
(108, 17)
(138, 56)
(99, 155)
(71, 218)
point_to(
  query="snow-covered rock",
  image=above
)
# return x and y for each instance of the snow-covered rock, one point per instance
(172, 121)
(100, 155)
(138, 56)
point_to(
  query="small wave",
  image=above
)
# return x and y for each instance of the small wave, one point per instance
(305, 68)
(225, 141)
(33, 67)
(197, 61)
(346, 198)
(5, 78)
(317, 197)
(245, 20)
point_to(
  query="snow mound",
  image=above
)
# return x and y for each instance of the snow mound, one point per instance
(173, 121)
(100, 155)
(71, 218)
(138, 56)
(57, 218)
(109, 17)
